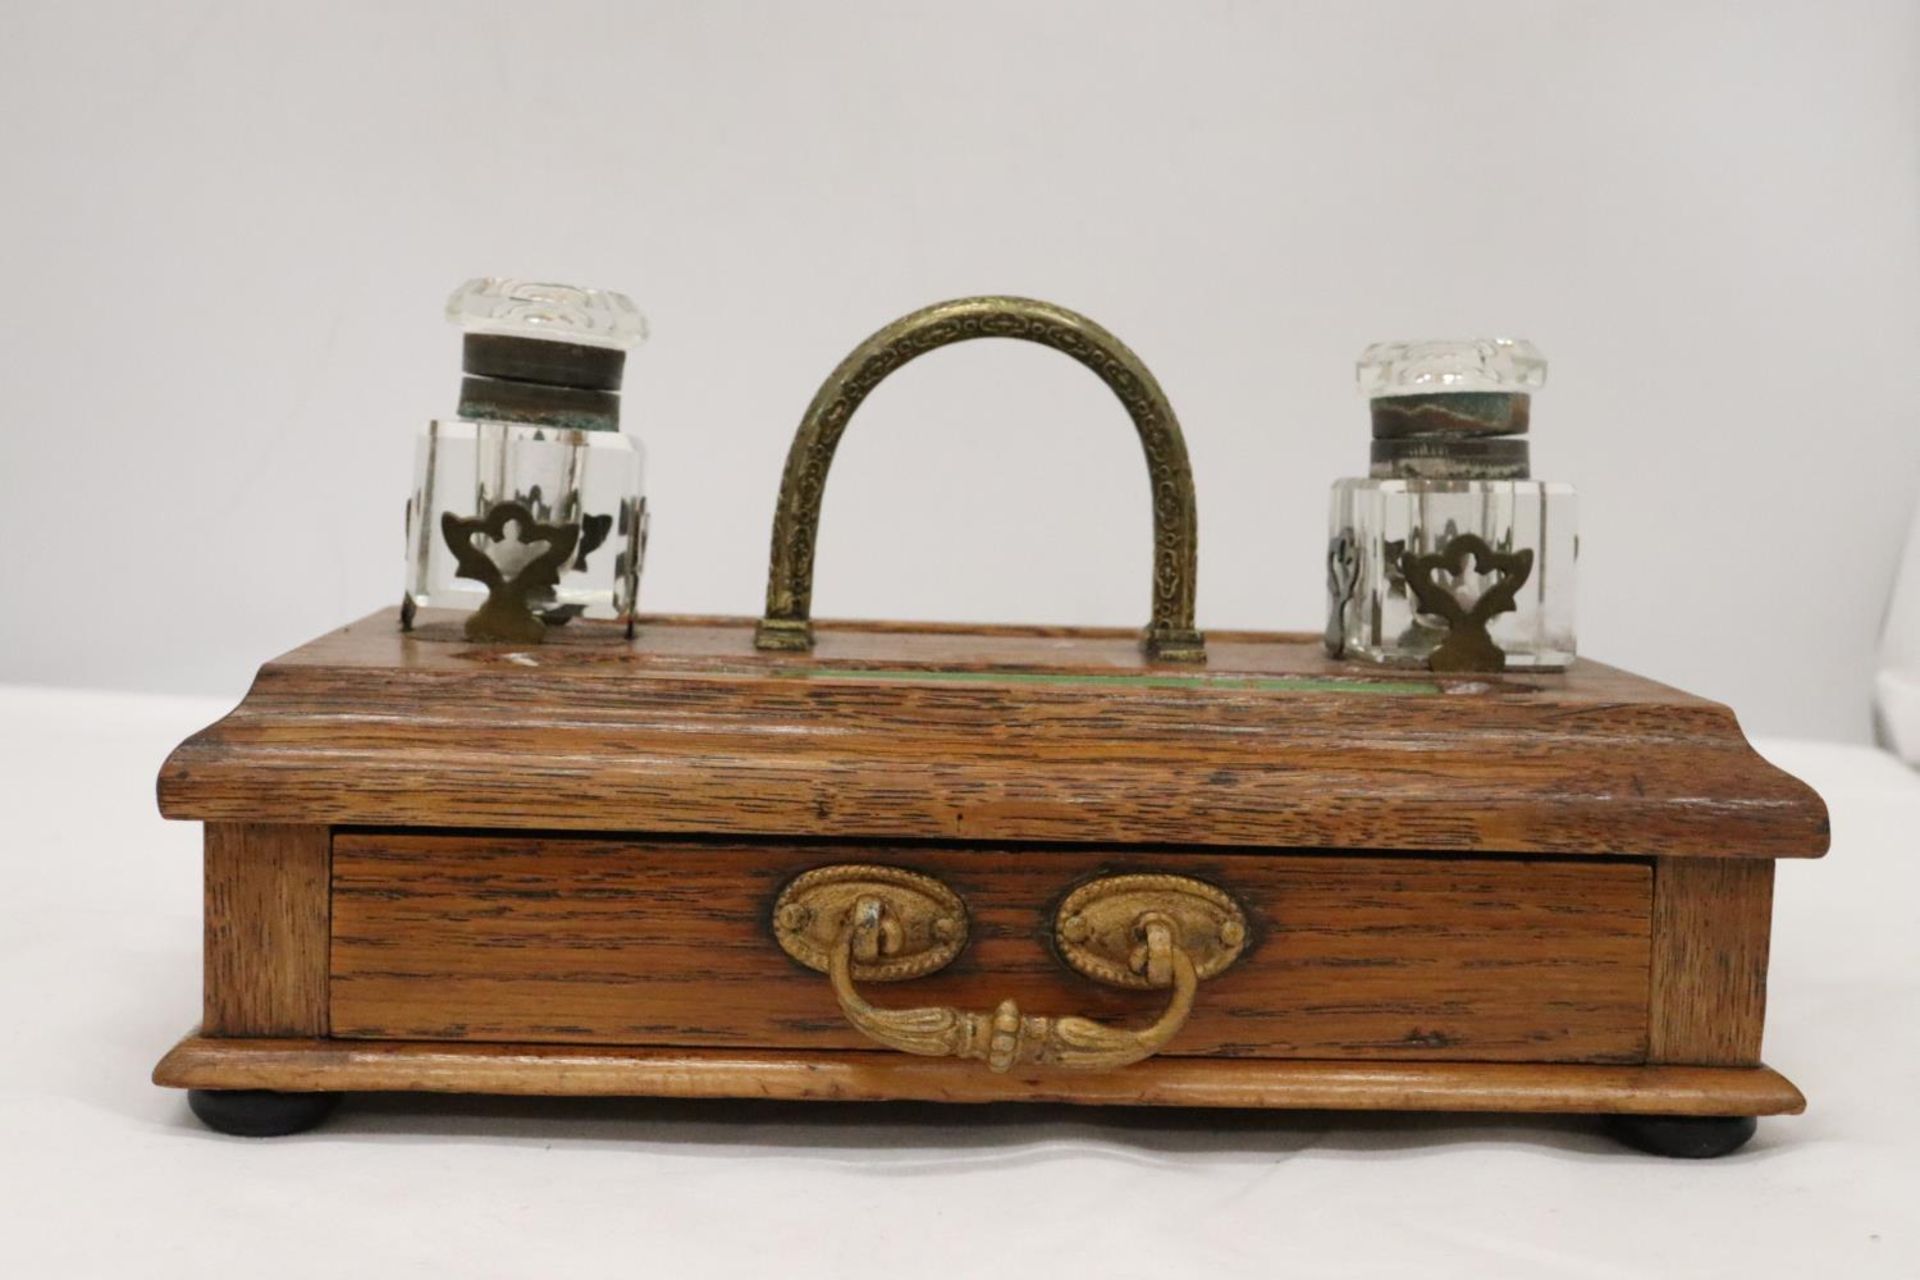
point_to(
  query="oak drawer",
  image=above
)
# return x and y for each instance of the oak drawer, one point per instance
(565, 939)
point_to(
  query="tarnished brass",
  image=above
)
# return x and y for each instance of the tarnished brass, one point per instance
(1451, 414)
(1098, 927)
(1468, 646)
(1343, 573)
(886, 924)
(1451, 458)
(924, 923)
(1170, 635)
(507, 616)
(635, 524)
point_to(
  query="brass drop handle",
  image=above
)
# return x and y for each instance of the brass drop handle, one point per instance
(1169, 636)
(872, 923)
(1007, 1038)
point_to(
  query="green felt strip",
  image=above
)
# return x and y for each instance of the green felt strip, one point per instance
(1130, 680)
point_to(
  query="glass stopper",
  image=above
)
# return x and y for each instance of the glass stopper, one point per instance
(549, 312)
(1511, 365)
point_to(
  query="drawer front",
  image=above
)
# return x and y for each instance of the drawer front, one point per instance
(651, 942)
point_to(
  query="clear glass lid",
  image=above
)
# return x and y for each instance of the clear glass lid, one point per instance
(549, 312)
(1454, 365)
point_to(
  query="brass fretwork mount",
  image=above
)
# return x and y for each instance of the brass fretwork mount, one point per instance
(508, 615)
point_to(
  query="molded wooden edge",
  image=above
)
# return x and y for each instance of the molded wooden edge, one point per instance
(206, 780)
(365, 727)
(303, 1066)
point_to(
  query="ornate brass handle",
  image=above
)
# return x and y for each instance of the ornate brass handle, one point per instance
(1170, 635)
(886, 924)
(1006, 1037)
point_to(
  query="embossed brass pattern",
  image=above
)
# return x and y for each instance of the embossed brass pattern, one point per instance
(923, 925)
(1468, 646)
(1006, 1037)
(1097, 927)
(1170, 635)
(1142, 931)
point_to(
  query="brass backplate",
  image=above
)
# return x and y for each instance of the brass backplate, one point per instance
(1100, 927)
(924, 923)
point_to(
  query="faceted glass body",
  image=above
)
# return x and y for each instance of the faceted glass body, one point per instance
(1374, 613)
(590, 479)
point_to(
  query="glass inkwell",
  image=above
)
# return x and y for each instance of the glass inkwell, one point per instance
(1449, 556)
(527, 508)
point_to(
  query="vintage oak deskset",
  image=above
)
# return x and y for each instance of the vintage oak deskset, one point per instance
(842, 861)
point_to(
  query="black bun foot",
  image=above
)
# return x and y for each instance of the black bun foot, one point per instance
(1684, 1137)
(260, 1113)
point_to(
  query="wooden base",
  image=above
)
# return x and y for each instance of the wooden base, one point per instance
(204, 1062)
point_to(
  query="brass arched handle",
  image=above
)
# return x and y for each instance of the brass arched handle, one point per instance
(1007, 1038)
(1170, 635)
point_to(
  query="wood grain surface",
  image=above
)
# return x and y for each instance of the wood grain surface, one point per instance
(320, 1065)
(517, 938)
(987, 734)
(266, 930)
(1711, 923)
